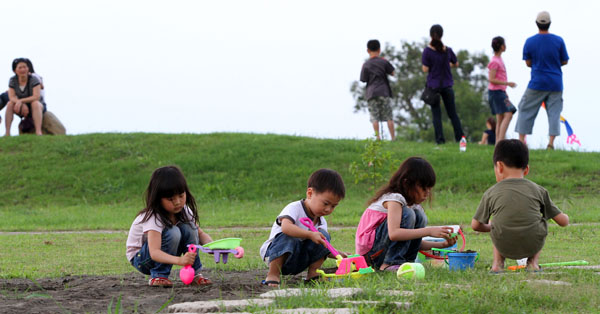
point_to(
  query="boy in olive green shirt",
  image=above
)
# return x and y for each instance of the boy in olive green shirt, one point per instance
(519, 207)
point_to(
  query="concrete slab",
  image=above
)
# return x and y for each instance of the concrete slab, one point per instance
(582, 267)
(549, 282)
(400, 305)
(217, 305)
(395, 293)
(294, 292)
(317, 311)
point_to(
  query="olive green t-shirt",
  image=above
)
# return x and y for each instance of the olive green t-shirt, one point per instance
(519, 209)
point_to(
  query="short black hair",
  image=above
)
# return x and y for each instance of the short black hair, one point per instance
(497, 43)
(373, 45)
(513, 153)
(543, 27)
(324, 180)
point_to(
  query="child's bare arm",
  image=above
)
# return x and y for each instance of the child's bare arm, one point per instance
(561, 219)
(157, 255)
(204, 237)
(289, 228)
(478, 226)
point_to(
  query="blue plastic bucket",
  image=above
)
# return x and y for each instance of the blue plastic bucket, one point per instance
(462, 261)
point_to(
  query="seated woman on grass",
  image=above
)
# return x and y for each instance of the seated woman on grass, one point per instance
(24, 96)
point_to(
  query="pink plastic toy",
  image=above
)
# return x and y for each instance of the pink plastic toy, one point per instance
(187, 273)
(345, 265)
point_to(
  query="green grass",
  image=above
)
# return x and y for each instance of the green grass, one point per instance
(96, 182)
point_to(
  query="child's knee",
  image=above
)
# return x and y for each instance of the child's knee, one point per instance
(171, 237)
(409, 218)
(189, 233)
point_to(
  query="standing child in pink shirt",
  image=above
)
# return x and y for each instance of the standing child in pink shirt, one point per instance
(499, 103)
(390, 230)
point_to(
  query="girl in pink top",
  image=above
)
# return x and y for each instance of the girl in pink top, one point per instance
(160, 233)
(499, 103)
(390, 230)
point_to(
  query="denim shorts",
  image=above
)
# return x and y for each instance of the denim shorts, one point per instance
(499, 102)
(302, 253)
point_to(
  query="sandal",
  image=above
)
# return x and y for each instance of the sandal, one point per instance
(550, 147)
(200, 280)
(270, 283)
(393, 268)
(313, 280)
(160, 282)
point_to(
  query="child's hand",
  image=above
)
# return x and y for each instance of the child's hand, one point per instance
(317, 237)
(441, 232)
(449, 242)
(187, 258)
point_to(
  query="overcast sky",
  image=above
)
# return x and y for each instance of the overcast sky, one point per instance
(280, 67)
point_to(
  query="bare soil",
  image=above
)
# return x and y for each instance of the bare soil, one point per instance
(100, 294)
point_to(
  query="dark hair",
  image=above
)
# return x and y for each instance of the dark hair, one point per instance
(413, 172)
(373, 45)
(543, 27)
(24, 60)
(513, 153)
(492, 122)
(497, 43)
(324, 180)
(164, 183)
(436, 32)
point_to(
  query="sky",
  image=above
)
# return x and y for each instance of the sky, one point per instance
(282, 67)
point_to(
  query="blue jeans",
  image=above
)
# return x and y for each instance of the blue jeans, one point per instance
(530, 105)
(447, 94)
(302, 253)
(174, 241)
(391, 252)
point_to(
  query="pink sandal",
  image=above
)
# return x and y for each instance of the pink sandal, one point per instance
(160, 282)
(199, 280)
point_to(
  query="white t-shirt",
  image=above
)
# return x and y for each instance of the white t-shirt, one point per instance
(293, 211)
(138, 233)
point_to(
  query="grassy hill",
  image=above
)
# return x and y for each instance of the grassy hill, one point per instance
(96, 181)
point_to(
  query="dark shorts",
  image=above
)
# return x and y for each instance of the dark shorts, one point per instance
(499, 102)
(29, 106)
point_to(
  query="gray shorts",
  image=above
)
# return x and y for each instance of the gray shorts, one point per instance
(530, 105)
(380, 109)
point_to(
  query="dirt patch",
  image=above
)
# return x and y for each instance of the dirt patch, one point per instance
(95, 294)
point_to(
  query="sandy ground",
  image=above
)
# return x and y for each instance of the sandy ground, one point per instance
(95, 294)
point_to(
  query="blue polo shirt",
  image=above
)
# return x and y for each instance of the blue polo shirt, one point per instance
(546, 52)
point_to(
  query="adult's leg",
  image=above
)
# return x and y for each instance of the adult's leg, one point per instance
(528, 109)
(436, 113)
(9, 117)
(392, 129)
(554, 106)
(448, 97)
(37, 113)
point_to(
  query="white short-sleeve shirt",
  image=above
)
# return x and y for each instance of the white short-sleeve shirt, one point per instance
(293, 211)
(138, 233)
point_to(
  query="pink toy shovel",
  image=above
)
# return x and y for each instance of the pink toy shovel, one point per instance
(309, 224)
(187, 273)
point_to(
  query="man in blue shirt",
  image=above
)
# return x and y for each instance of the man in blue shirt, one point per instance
(545, 54)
